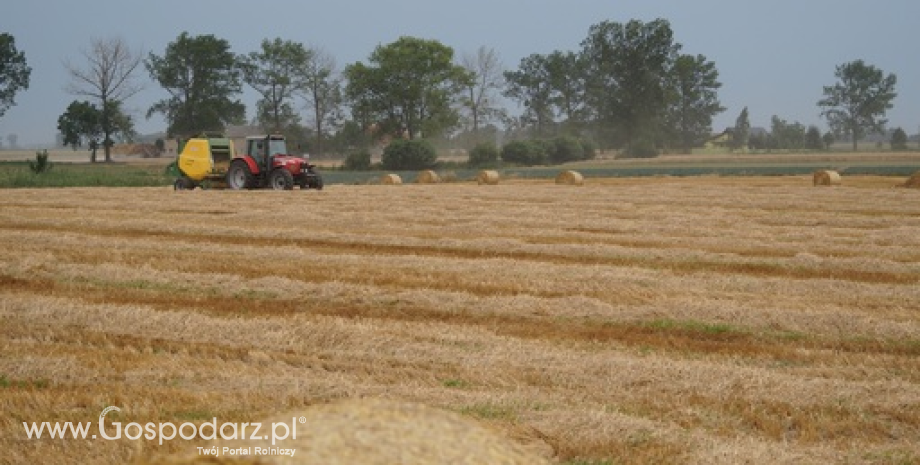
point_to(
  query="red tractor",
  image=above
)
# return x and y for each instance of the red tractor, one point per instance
(266, 163)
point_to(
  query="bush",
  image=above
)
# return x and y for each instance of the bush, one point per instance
(517, 152)
(484, 155)
(404, 154)
(542, 149)
(41, 163)
(566, 149)
(526, 153)
(358, 161)
(562, 149)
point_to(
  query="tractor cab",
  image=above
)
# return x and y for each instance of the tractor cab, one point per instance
(264, 149)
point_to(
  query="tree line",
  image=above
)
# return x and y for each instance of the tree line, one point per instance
(628, 87)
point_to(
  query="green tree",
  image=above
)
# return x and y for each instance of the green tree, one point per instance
(828, 140)
(567, 74)
(785, 135)
(81, 124)
(202, 79)
(275, 72)
(14, 72)
(629, 66)
(409, 87)
(857, 103)
(694, 101)
(109, 79)
(813, 138)
(530, 85)
(898, 139)
(759, 141)
(741, 134)
(350, 137)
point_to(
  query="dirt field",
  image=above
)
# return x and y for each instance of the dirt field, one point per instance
(658, 320)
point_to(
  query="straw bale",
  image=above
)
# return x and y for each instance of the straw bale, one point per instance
(428, 177)
(391, 179)
(826, 178)
(488, 177)
(570, 178)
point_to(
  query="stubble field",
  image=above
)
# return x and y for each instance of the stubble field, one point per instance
(657, 320)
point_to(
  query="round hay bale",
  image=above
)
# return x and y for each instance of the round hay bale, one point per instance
(391, 179)
(428, 177)
(826, 178)
(373, 431)
(570, 178)
(913, 182)
(490, 177)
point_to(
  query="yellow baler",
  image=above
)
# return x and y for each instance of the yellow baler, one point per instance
(203, 159)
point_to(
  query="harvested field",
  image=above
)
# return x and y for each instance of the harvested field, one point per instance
(657, 320)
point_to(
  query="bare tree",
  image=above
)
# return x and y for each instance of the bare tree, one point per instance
(322, 89)
(486, 70)
(107, 78)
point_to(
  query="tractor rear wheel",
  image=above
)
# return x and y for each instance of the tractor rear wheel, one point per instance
(281, 179)
(239, 177)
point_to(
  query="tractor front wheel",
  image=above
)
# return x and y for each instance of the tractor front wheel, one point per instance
(312, 182)
(239, 177)
(281, 179)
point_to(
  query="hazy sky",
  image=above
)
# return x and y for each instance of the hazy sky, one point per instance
(773, 57)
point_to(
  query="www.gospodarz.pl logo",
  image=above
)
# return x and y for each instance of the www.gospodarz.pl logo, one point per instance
(209, 430)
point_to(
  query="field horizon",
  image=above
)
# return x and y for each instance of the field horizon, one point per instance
(82, 156)
(72, 169)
